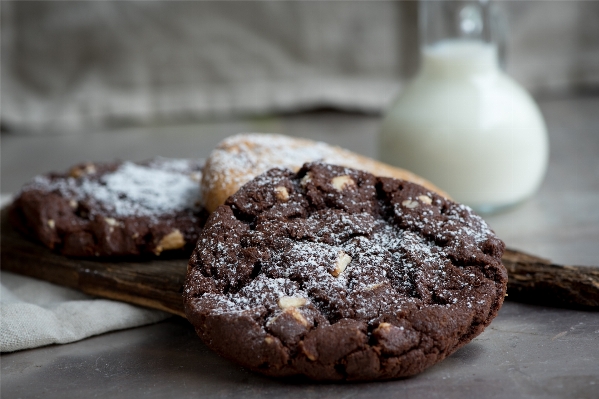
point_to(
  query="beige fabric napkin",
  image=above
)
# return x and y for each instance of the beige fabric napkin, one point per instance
(36, 313)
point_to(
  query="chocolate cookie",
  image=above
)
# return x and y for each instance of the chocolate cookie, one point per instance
(114, 209)
(340, 275)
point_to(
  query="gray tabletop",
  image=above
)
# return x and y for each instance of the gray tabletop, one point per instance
(528, 351)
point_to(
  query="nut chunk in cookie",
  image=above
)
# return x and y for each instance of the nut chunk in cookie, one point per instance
(336, 274)
(114, 209)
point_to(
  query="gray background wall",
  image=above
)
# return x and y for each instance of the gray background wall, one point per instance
(80, 66)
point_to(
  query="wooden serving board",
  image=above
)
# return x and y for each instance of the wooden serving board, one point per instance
(158, 283)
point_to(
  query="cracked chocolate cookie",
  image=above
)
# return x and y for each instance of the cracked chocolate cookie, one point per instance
(336, 274)
(114, 209)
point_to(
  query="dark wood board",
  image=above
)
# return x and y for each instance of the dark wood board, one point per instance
(539, 281)
(158, 283)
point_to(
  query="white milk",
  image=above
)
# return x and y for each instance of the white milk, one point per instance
(469, 128)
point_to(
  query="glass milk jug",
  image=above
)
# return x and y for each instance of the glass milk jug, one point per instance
(462, 122)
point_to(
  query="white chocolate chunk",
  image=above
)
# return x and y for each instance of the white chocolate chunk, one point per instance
(425, 199)
(410, 204)
(269, 340)
(291, 301)
(293, 312)
(343, 260)
(341, 182)
(373, 287)
(297, 316)
(282, 193)
(306, 179)
(384, 325)
(51, 224)
(173, 240)
(90, 169)
(111, 222)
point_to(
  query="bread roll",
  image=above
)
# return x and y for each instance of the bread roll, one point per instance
(240, 158)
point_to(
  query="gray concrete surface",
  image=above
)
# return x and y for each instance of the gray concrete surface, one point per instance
(527, 352)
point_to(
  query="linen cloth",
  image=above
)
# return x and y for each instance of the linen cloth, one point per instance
(35, 313)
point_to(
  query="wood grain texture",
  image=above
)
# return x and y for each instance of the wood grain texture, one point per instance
(158, 283)
(537, 280)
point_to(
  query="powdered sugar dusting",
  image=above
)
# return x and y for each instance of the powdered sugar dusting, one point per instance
(163, 186)
(138, 190)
